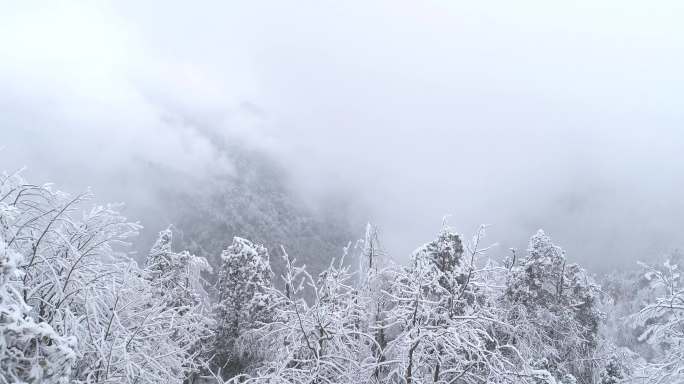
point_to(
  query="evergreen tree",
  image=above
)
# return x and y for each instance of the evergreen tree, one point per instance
(176, 276)
(176, 283)
(556, 305)
(245, 300)
(441, 320)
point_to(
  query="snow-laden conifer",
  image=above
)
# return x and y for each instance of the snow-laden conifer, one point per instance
(245, 300)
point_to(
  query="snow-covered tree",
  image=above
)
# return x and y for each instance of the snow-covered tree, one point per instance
(78, 279)
(371, 256)
(441, 322)
(30, 351)
(626, 293)
(245, 299)
(374, 279)
(555, 307)
(319, 342)
(613, 372)
(663, 322)
(178, 285)
(76, 307)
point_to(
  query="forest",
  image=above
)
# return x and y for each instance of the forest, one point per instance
(341, 192)
(76, 307)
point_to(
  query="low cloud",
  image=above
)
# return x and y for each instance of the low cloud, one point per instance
(521, 116)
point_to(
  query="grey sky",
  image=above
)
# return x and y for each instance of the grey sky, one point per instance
(526, 114)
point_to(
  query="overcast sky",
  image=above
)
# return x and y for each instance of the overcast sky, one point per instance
(521, 114)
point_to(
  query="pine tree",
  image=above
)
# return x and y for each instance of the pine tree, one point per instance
(556, 305)
(442, 319)
(442, 262)
(176, 283)
(176, 276)
(245, 300)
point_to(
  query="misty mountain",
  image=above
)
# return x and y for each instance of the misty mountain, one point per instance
(183, 190)
(254, 199)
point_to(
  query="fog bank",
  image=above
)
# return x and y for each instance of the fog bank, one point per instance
(524, 116)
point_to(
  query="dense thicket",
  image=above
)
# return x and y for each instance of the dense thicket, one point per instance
(75, 307)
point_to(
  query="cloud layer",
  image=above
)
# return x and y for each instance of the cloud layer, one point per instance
(523, 115)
